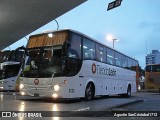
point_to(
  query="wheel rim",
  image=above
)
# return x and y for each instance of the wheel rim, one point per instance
(129, 92)
(89, 92)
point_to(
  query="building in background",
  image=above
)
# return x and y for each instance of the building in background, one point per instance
(153, 58)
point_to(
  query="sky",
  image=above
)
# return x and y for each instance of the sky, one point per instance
(136, 24)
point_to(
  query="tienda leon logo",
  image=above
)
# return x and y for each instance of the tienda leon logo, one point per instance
(93, 68)
(103, 70)
(36, 81)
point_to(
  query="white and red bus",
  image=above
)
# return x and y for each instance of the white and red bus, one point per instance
(69, 64)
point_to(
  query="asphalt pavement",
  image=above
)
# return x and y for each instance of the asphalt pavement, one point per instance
(99, 108)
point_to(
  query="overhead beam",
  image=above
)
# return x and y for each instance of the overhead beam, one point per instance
(19, 18)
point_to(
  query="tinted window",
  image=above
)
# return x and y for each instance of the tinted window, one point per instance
(134, 65)
(101, 55)
(148, 68)
(1, 56)
(12, 70)
(129, 63)
(4, 56)
(19, 56)
(75, 48)
(110, 56)
(124, 62)
(2, 73)
(156, 68)
(118, 59)
(88, 49)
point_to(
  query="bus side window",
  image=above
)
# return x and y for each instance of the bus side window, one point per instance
(110, 56)
(134, 65)
(100, 52)
(158, 68)
(124, 61)
(148, 68)
(73, 54)
(88, 49)
(74, 50)
(129, 63)
(155, 68)
(118, 59)
(12, 70)
(19, 56)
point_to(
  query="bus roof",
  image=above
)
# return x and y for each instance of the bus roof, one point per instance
(10, 63)
(52, 31)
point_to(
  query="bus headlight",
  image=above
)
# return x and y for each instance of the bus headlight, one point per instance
(22, 93)
(56, 87)
(21, 86)
(1, 87)
(139, 87)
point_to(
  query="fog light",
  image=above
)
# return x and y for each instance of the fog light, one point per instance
(55, 95)
(56, 87)
(22, 93)
(21, 86)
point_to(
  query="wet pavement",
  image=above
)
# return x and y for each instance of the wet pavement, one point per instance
(99, 108)
(151, 102)
(14, 102)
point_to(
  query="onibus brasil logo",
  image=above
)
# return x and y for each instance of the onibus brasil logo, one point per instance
(103, 70)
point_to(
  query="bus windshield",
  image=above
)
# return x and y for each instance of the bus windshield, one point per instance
(44, 62)
(153, 68)
(4, 56)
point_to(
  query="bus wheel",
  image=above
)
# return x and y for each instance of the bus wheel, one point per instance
(128, 91)
(89, 92)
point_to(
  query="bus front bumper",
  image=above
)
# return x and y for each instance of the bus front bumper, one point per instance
(38, 93)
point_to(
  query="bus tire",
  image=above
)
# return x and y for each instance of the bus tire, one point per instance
(128, 94)
(89, 92)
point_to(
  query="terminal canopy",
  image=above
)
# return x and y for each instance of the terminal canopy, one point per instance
(19, 18)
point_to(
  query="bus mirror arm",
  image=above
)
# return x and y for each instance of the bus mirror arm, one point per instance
(65, 61)
(64, 64)
(66, 44)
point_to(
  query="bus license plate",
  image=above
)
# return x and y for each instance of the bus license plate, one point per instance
(36, 94)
